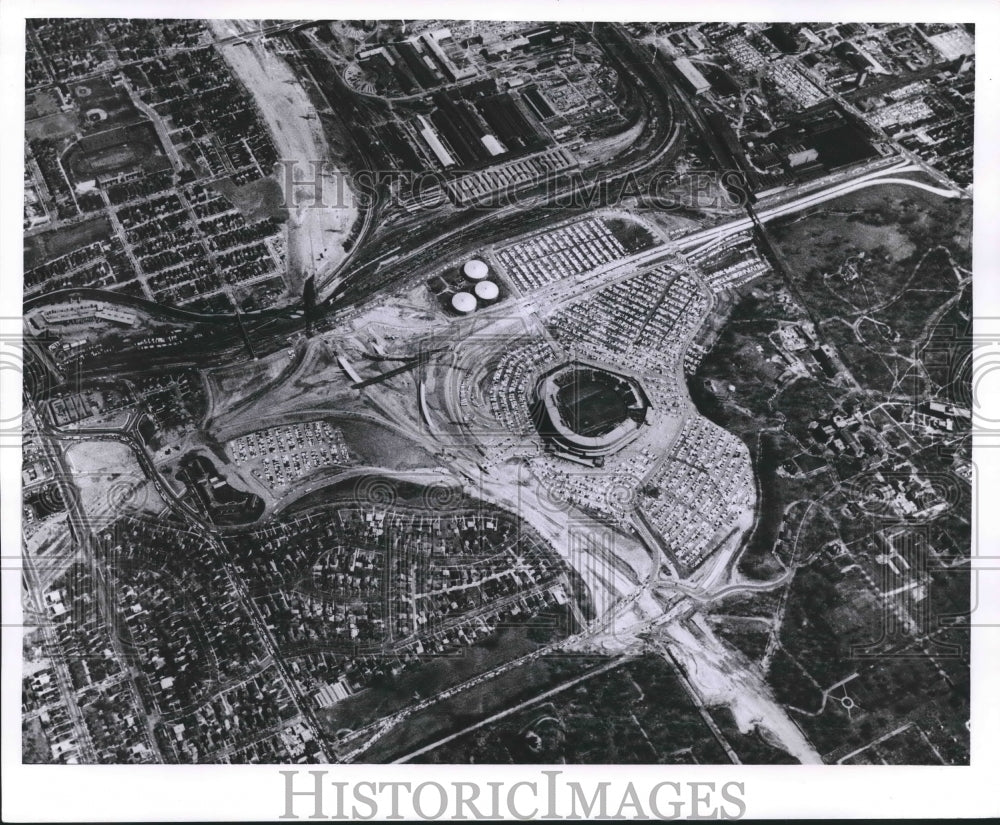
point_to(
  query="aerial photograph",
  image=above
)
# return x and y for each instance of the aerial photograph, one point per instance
(487, 392)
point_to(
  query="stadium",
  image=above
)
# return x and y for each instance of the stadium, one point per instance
(586, 412)
(127, 150)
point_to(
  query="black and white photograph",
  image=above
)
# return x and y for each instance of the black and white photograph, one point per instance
(422, 394)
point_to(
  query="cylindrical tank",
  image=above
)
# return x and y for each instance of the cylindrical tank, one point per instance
(475, 270)
(464, 302)
(487, 290)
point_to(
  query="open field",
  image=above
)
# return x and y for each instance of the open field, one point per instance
(84, 164)
(116, 158)
(51, 126)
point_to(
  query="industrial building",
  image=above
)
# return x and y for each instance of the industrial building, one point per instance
(434, 142)
(693, 80)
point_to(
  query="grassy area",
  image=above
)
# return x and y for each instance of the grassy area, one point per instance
(633, 236)
(468, 707)
(121, 156)
(257, 200)
(749, 639)
(591, 403)
(34, 745)
(41, 248)
(383, 447)
(49, 126)
(638, 713)
(433, 675)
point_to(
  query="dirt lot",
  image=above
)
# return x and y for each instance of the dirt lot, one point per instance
(110, 480)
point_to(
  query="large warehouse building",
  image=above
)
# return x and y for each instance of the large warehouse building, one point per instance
(691, 77)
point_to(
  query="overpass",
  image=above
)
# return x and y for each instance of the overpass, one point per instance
(411, 364)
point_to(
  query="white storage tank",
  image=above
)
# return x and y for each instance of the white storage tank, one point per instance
(464, 302)
(487, 291)
(475, 270)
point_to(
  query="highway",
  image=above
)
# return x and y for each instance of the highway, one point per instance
(704, 239)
